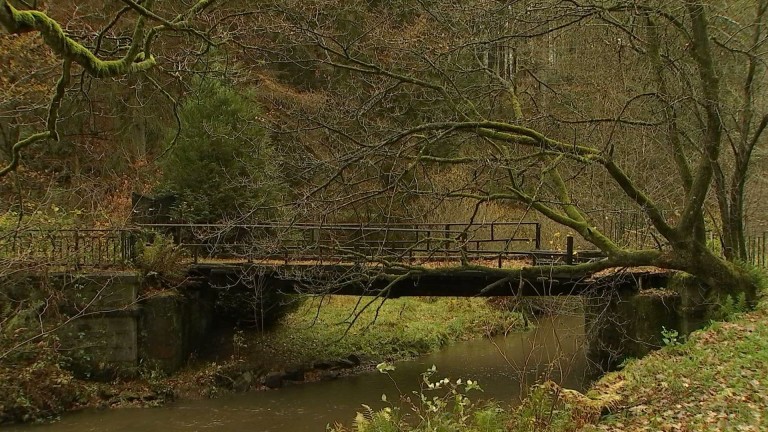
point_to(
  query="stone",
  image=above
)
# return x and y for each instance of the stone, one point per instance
(344, 363)
(328, 375)
(273, 380)
(150, 396)
(296, 374)
(131, 396)
(107, 393)
(354, 358)
(244, 382)
(323, 365)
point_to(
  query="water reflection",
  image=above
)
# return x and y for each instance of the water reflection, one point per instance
(502, 365)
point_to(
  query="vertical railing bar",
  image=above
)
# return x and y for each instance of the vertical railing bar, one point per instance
(569, 250)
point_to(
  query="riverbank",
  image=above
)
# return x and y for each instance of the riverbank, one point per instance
(717, 380)
(317, 341)
(326, 337)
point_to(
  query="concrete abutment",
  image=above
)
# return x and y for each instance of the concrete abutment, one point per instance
(630, 323)
(124, 323)
(118, 325)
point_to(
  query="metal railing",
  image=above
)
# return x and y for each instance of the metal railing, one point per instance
(70, 248)
(77, 248)
(757, 250)
(355, 242)
(627, 227)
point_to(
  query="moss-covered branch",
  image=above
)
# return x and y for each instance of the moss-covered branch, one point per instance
(18, 147)
(571, 210)
(138, 57)
(511, 133)
(503, 275)
(16, 22)
(53, 116)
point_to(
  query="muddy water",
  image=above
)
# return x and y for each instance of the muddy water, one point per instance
(502, 365)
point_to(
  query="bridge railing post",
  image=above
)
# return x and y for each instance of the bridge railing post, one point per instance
(569, 250)
(447, 241)
(537, 239)
(77, 248)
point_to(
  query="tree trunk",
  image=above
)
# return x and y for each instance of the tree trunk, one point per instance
(724, 278)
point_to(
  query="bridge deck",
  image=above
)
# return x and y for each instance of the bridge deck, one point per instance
(346, 279)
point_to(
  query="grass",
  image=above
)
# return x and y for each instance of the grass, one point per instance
(335, 327)
(717, 380)
(338, 326)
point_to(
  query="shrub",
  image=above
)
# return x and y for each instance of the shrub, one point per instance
(161, 257)
(439, 405)
(222, 165)
(36, 389)
(34, 384)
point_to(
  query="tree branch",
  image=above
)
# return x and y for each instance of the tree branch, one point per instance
(17, 22)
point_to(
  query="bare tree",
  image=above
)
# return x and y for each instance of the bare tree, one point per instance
(553, 106)
(130, 52)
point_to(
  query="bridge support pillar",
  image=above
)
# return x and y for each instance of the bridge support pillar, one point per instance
(630, 323)
(116, 329)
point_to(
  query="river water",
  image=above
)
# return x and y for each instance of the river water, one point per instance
(502, 365)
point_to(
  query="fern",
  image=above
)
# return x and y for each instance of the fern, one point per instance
(161, 257)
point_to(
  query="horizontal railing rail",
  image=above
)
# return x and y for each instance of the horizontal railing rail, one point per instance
(357, 242)
(71, 247)
(91, 247)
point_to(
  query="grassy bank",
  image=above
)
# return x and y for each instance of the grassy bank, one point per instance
(338, 326)
(717, 380)
(335, 327)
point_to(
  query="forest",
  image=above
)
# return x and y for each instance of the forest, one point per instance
(579, 115)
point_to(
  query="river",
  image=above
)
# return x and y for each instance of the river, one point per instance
(502, 365)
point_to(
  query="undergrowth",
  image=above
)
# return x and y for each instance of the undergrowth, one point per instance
(439, 405)
(337, 326)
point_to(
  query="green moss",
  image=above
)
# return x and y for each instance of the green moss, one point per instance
(16, 21)
(392, 329)
(714, 381)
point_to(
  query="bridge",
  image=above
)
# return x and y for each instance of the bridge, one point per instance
(439, 259)
(487, 243)
(392, 260)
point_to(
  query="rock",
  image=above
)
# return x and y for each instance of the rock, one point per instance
(328, 375)
(323, 365)
(344, 364)
(130, 396)
(149, 397)
(243, 383)
(296, 374)
(107, 393)
(354, 358)
(273, 380)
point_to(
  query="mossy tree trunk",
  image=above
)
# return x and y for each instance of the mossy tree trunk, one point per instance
(708, 139)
